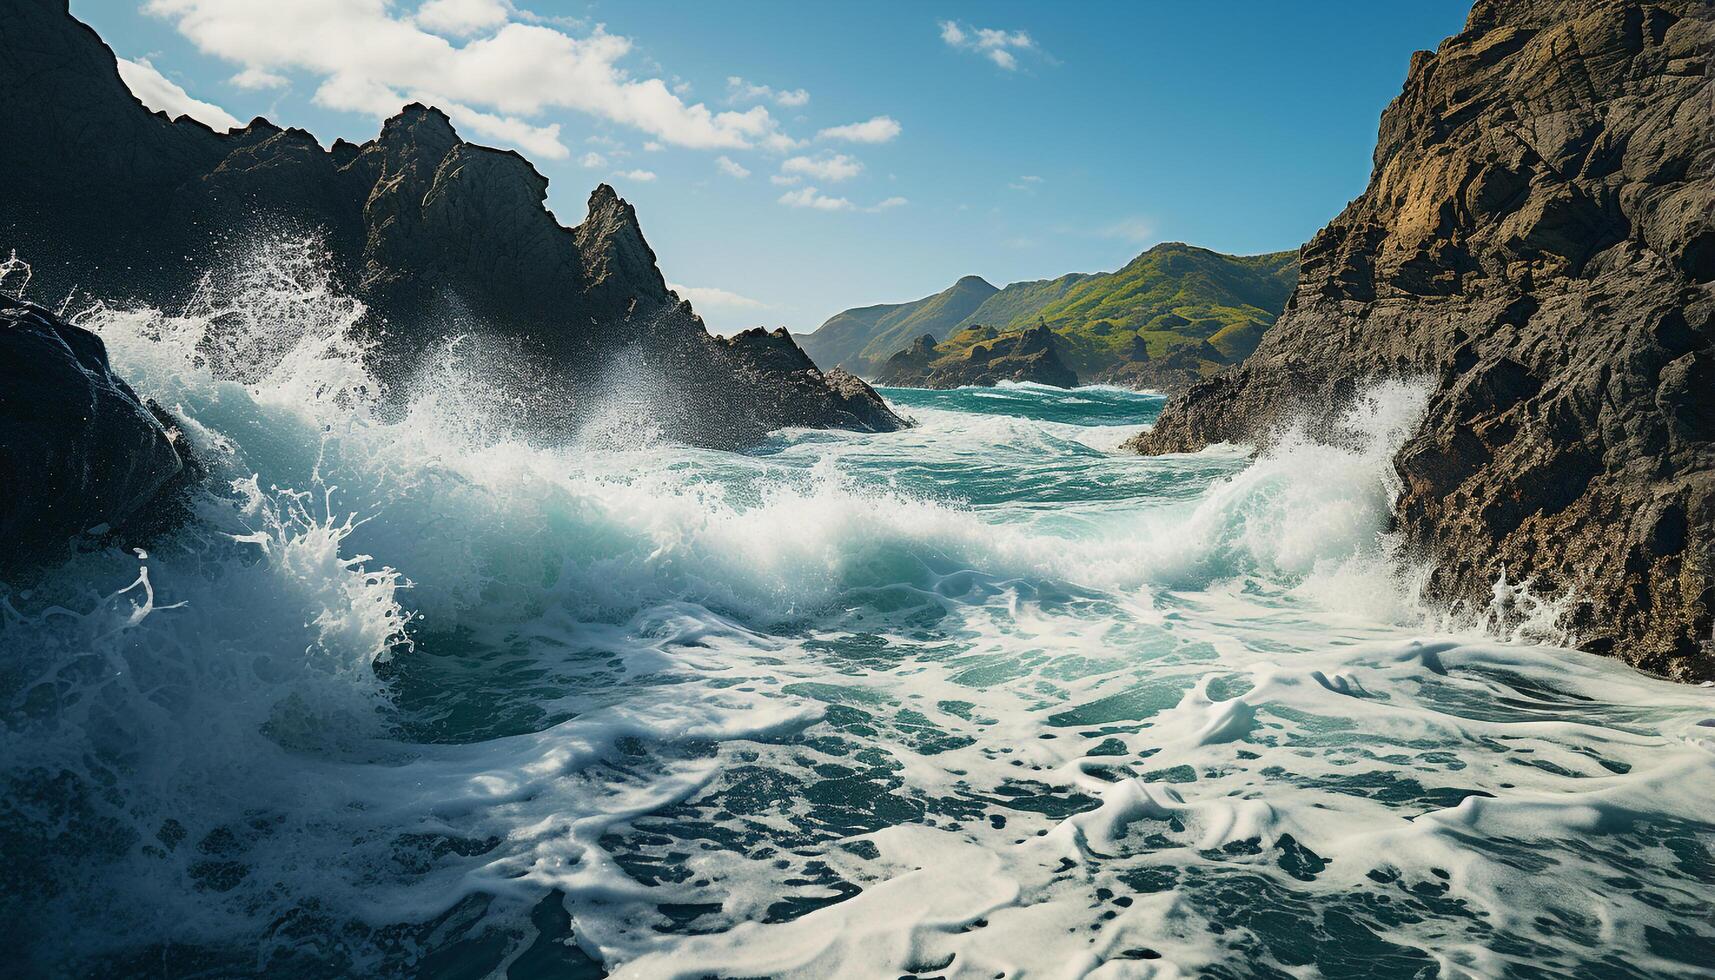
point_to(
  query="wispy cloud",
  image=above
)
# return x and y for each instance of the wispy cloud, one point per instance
(810, 197)
(739, 90)
(641, 176)
(999, 46)
(255, 79)
(161, 93)
(889, 204)
(826, 166)
(881, 129)
(731, 167)
(709, 297)
(592, 160)
(1026, 183)
(461, 18)
(785, 180)
(1135, 230)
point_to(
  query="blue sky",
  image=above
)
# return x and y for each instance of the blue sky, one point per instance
(865, 154)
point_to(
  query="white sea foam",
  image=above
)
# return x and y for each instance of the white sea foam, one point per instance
(416, 673)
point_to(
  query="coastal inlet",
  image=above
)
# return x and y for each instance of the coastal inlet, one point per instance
(420, 694)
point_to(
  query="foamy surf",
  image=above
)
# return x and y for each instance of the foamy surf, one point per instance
(980, 698)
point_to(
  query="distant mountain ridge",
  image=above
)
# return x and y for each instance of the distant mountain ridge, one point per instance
(1173, 314)
(861, 339)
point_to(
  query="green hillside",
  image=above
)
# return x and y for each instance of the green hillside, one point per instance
(860, 340)
(1019, 303)
(1171, 315)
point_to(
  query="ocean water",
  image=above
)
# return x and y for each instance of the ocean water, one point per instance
(423, 695)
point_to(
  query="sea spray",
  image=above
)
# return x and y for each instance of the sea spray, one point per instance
(975, 697)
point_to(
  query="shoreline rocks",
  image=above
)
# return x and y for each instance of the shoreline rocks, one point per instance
(79, 451)
(1537, 237)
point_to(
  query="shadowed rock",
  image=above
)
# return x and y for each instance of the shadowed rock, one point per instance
(78, 449)
(1536, 238)
(438, 237)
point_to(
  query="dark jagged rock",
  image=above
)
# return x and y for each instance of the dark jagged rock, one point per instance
(79, 451)
(1538, 237)
(438, 237)
(788, 389)
(1029, 355)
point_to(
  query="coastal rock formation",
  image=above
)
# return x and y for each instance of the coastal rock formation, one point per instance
(79, 451)
(1030, 355)
(439, 238)
(1537, 237)
(790, 388)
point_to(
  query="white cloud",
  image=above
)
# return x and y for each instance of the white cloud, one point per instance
(828, 166)
(877, 130)
(731, 167)
(159, 92)
(537, 141)
(652, 147)
(461, 17)
(594, 161)
(369, 58)
(256, 78)
(889, 204)
(782, 180)
(1027, 182)
(809, 197)
(1128, 229)
(642, 176)
(739, 90)
(708, 297)
(998, 46)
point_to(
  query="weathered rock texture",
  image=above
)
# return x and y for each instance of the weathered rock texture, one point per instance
(1537, 236)
(1029, 355)
(439, 237)
(78, 449)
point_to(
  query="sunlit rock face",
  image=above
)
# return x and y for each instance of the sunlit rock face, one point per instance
(1538, 234)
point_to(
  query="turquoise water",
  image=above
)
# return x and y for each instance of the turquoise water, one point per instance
(421, 696)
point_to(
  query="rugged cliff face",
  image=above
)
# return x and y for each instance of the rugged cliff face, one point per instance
(1030, 355)
(1538, 237)
(439, 237)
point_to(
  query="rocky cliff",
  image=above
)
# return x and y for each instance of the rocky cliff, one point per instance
(1031, 355)
(439, 237)
(1538, 239)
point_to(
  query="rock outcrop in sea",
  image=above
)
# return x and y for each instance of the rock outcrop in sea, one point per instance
(439, 238)
(1030, 355)
(1538, 238)
(79, 451)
